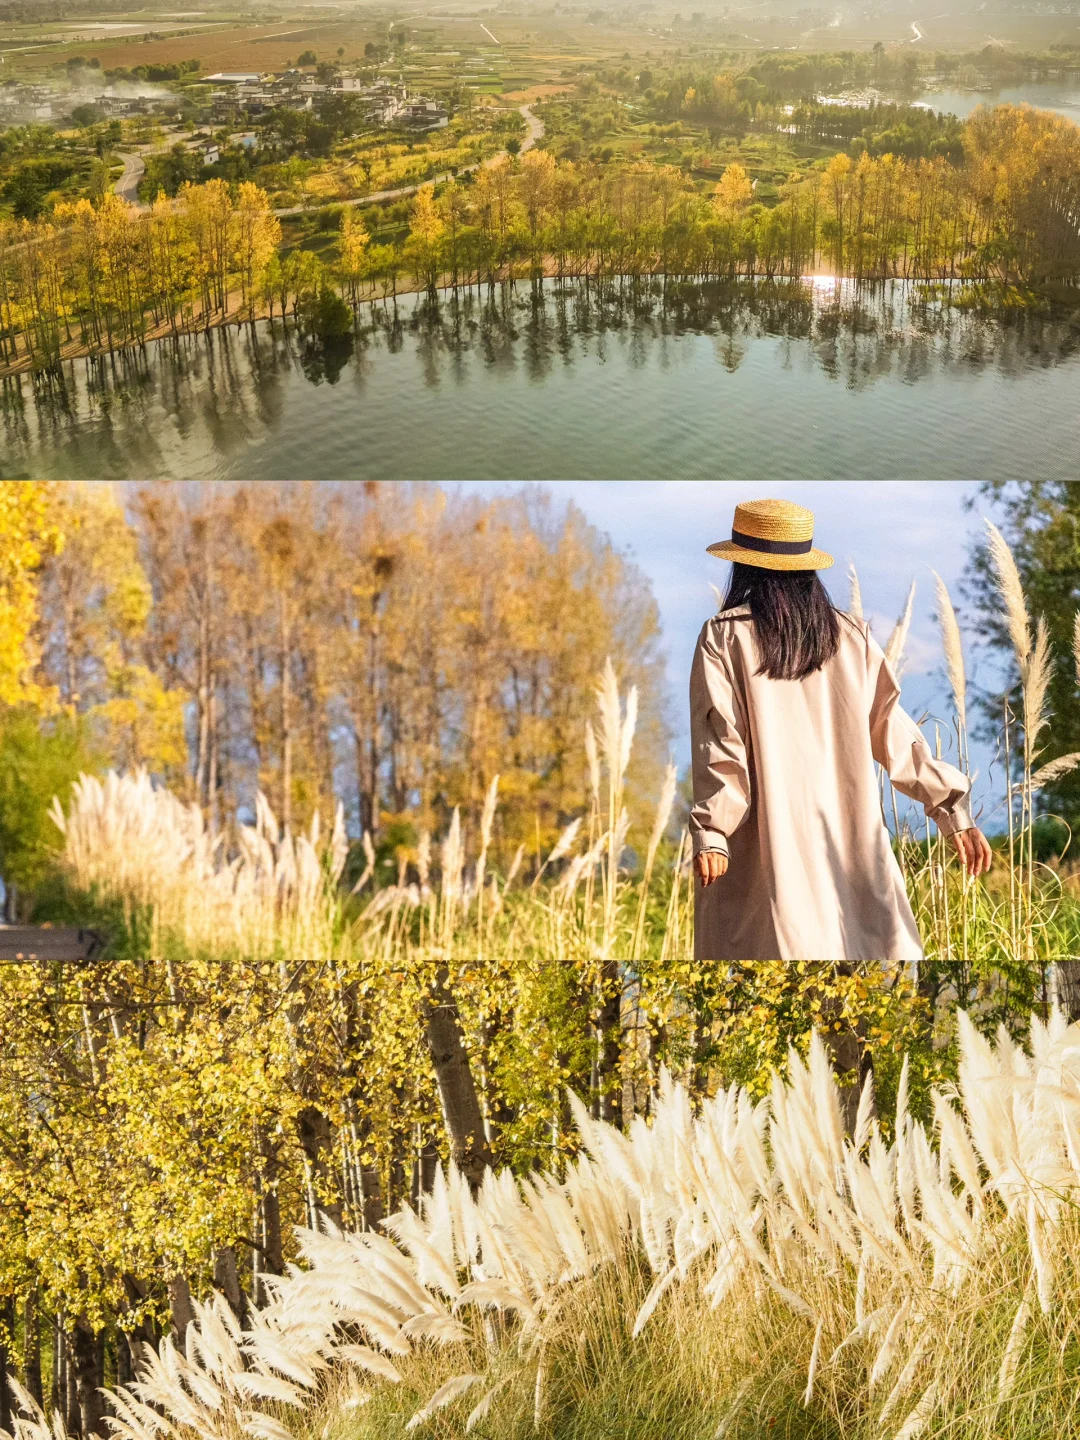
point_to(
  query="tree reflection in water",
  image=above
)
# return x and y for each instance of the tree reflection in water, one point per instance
(212, 394)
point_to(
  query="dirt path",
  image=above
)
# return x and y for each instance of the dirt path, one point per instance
(536, 132)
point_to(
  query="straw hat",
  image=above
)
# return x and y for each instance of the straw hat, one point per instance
(775, 534)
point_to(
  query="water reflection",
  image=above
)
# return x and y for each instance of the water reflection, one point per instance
(858, 334)
(184, 406)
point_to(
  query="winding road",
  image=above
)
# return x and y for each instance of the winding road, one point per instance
(127, 187)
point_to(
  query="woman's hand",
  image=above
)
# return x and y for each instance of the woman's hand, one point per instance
(710, 865)
(974, 850)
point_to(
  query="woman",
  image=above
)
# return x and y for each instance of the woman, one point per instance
(791, 702)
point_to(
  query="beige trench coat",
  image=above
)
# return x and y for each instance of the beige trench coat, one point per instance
(784, 782)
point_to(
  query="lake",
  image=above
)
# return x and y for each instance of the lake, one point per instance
(1061, 96)
(761, 382)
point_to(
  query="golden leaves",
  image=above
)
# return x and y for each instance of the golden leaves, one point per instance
(28, 534)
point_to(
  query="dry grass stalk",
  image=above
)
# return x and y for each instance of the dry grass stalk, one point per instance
(592, 756)
(660, 825)
(125, 838)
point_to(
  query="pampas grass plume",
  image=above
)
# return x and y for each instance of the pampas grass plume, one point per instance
(894, 648)
(1055, 769)
(1035, 674)
(1012, 593)
(954, 653)
(855, 607)
(663, 813)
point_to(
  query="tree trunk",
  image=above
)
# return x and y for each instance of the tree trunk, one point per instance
(88, 1378)
(57, 1398)
(125, 1366)
(227, 1280)
(610, 1024)
(317, 1143)
(7, 1346)
(272, 1261)
(143, 1333)
(370, 1178)
(1067, 980)
(32, 1349)
(183, 1312)
(469, 1148)
(429, 1163)
(72, 1419)
(851, 1060)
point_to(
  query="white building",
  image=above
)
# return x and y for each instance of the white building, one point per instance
(420, 114)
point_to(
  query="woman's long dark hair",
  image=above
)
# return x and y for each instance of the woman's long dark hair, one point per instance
(795, 623)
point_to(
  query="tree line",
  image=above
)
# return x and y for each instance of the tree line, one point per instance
(101, 276)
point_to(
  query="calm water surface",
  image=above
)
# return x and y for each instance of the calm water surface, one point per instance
(820, 382)
(1061, 96)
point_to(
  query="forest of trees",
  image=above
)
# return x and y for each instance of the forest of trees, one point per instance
(101, 276)
(384, 646)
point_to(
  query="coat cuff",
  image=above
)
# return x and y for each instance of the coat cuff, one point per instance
(709, 840)
(952, 819)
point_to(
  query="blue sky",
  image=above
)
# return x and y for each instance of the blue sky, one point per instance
(894, 531)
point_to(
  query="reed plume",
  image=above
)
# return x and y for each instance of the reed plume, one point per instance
(1055, 769)
(1035, 675)
(592, 756)
(894, 648)
(562, 847)
(487, 820)
(855, 606)
(954, 652)
(1011, 591)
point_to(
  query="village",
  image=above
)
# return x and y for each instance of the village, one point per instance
(385, 103)
(221, 99)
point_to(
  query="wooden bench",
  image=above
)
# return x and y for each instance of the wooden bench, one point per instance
(65, 943)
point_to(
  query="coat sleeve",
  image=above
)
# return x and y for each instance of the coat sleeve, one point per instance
(901, 749)
(720, 769)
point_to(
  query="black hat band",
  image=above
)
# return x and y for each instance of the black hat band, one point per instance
(772, 547)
